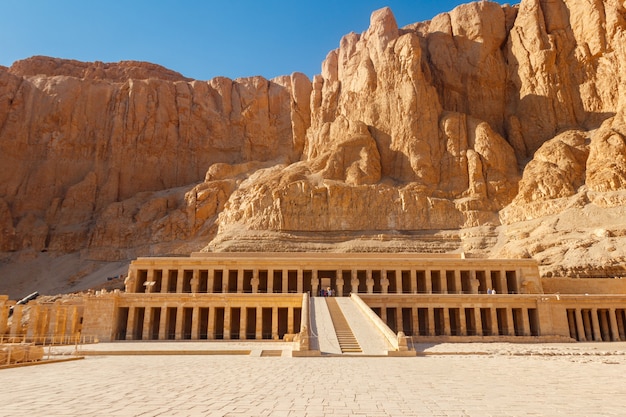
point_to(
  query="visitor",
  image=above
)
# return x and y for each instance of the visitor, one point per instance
(488, 290)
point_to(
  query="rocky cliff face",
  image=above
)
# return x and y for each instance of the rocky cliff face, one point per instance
(505, 125)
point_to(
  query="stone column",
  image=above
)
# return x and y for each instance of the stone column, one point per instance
(255, 281)
(518, 276)
(49, 324)
(300, 283)
(51, 317)
(413, 281)
(504, 285)
(479, 322)
(274, 323)
(604, 325)
(462, 321)
(415, 320)
(443, 280)
(399, 289)
(614, 328)
(597, 336)
(488, 281)
(339, 283)
(580, 326)
(150, 280)
(369, 282)
(525, 322)
(240, 281)
(180, 314)
(315, 283)
(494, 321)
(227, 313)
(147, 317)
(428, 281)
(180, 279)
(44, 323)
(588, 326)
(163, 323)
(195, 322)
(290, 320)
(195, 280)
(63, 323)
(474, 283)
(33, 324)
(431, 321)
(4, 317)
(285, 281)
(16, 325)
(210, 331)
(270, 281)
(620, 325)
(384, 282)
(259, 323)
(165, 280)
(210, 282)
(130, 323)
(510, 323)
(457, 282)
(243, 320)
(446, 321)
(399, 319)
(354, 281)
(75, 322)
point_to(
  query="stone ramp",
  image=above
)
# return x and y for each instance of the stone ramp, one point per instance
(371, 340)
(324, 337)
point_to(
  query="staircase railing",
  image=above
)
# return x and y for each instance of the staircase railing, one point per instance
(397, 341)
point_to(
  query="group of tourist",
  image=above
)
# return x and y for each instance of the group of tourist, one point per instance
(327, 292)
(490, 291)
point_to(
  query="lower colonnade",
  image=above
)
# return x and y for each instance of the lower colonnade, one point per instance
(208, 318)
(258, 296)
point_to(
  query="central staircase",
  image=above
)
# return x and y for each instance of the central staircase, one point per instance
(345, 337)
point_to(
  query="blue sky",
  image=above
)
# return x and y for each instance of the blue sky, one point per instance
(200, 39)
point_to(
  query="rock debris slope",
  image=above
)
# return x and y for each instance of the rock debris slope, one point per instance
(498, 130)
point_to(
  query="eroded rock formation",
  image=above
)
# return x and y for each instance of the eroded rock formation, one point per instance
(503, 123)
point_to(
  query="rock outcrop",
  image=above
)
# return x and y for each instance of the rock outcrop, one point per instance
(78, 152)
(502, 123)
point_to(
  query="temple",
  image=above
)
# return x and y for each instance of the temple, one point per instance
(406, 298)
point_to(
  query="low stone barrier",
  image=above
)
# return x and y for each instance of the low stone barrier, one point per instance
(20, 353)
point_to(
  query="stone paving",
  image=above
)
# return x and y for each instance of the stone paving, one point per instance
(500, 381)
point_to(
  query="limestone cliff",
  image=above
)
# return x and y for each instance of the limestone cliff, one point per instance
(500, 128)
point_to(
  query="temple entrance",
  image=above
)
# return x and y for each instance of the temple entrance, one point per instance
(327, 282)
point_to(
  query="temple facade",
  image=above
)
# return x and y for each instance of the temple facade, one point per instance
(258, 296)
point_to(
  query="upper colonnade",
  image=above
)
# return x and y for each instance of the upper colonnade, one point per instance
(344, 273)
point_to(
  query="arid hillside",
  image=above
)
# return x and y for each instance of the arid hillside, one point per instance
(494, 130)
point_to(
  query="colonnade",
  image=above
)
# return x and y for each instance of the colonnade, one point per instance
(597, 324)
(450, 319)
(342, 281)
(47, 323)
(208, 320)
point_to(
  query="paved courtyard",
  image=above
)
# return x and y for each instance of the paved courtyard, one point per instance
(445, 384)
